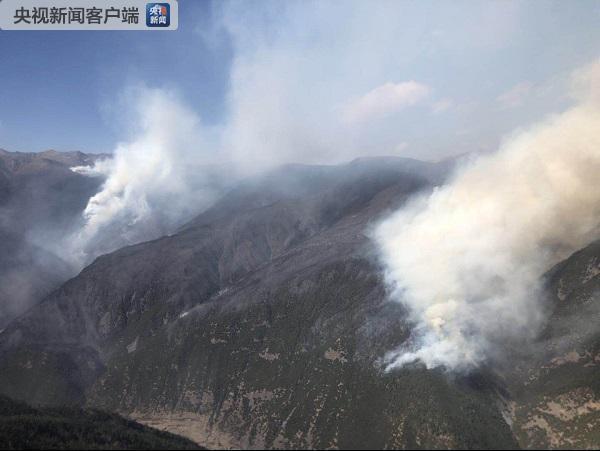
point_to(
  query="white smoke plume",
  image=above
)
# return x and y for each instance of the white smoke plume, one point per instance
(155, 179)
(294, 96)
(286, 103)
(467, 260)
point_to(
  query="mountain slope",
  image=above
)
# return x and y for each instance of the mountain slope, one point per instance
(23, 427)
(261, 323)
(556, 390)
(40, 199)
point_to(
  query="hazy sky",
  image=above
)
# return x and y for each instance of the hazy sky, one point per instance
(302, 80)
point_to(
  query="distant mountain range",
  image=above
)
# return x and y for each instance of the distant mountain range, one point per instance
(262, 322)
(40, 197)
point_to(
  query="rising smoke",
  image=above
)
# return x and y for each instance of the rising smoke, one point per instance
(467, 260)
(294, 96)
(163, 174)
(158, 178)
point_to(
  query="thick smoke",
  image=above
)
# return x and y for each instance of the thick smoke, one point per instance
(153, 181)
(294, 96)
(467, 260)
(286, 104)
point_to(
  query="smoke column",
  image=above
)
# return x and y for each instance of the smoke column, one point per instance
(155, 179)
(293, 96)
(467, 260)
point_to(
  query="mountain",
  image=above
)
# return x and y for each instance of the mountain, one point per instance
(40, 198)
(40, 188)
(263, 323)
(557, 391)
(24, 427)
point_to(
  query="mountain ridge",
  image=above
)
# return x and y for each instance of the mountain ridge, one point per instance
(40, 201)
(286, 289)
(263, 322)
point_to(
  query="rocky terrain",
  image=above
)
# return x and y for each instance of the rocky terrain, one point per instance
(263, 323)
(557, 403)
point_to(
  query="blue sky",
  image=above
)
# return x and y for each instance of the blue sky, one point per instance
(56, 87)
(302, 80)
